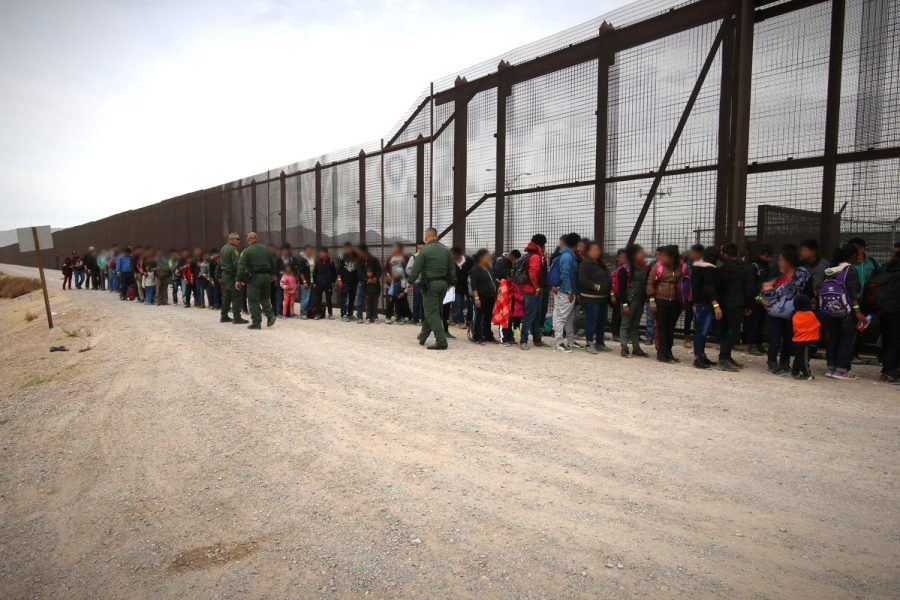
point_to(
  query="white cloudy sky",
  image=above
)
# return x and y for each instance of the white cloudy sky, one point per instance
(108, 105)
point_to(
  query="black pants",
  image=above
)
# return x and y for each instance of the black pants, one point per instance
(126, 280)
(890, 342)
(315, 304)
(616, 323)
(780, 333)
(688, 319)
(372, 305)
(397, 306)
(666, 315)
(730, 328)
(481, 325)
(801, 358)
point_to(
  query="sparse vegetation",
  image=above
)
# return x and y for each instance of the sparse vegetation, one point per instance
(38, 380)
(85, 349)
(74, 333)
(13, 287)
(30, 316)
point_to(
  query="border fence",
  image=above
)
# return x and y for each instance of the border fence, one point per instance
(664, 121)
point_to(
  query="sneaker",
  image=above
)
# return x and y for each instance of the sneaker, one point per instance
(838, 374)
(707, 361)
(575, 345)
(389, 321)
(774, 369)
(755, 351)
(506, 344)
(540, 344)
(591, 348)
(601, 347)
(449, 336)
(699, 363)
(625, 353)
(724, 365)
(523, 346)
(732, 362)
(889, 379)
(360, 321)
(331, 317)
(563, 348)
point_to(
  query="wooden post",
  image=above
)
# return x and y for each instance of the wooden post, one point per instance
(40, 264)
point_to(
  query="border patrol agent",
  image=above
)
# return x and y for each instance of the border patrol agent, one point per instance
(228, 263)
(438, 272)
(256, 269)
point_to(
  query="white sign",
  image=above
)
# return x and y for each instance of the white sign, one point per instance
(26, 238)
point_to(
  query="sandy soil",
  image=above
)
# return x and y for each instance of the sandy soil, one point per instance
(176, 457)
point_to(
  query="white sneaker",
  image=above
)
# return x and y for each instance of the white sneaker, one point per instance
(563, 348)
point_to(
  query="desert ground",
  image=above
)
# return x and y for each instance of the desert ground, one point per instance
(166, 455)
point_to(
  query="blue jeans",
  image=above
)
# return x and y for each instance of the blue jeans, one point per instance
(531, 323)
(462, 299)
(595, 314)
(650, 323)
(113, 282)
(360, 298)
(185, 292)
(417, 302)
(348, 299)
(841, 336)
(703, 318)
(149, 293)
(79, 279)
(305, 295)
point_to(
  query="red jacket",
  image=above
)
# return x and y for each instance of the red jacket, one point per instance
(535, 266)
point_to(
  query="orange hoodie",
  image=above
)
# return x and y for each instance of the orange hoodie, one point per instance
(806, 326)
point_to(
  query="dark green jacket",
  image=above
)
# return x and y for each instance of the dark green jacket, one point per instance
(228, 260)
(433, 262)
(255, 260)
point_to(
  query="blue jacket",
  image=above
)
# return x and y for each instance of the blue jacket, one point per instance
(568, 272)
(123, 263)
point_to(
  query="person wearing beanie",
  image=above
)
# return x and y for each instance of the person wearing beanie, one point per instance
(806, 328)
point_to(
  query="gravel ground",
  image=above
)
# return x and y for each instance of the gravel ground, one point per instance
(166, 455)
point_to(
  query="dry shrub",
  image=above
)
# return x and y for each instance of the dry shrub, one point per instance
(13, 287)
(30, 316)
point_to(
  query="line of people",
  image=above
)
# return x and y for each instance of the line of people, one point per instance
(786, 307)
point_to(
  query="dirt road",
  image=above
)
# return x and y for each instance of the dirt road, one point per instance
(176, 457)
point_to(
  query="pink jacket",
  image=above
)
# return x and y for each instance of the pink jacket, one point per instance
(289, 283)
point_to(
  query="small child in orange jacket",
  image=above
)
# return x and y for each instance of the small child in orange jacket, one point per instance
(807, 329)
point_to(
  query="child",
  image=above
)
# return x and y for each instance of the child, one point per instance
(484, 291)
(149, 283)
(68, 268)
(289, 285)
(806, 333)
(373, 290)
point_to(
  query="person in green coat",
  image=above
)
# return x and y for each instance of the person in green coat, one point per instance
(438, 271)
(256, 269)
(163, 278)
(228, 265)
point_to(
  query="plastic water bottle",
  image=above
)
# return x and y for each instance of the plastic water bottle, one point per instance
(860, 326)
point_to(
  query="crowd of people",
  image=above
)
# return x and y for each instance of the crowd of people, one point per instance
(789, 306)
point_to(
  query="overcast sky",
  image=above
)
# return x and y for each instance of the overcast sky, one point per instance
(109, 105)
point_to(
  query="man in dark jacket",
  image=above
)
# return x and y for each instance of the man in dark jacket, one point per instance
(484, 292)
(365, 263)
(463, 300)
(348, 279)
(736, 291)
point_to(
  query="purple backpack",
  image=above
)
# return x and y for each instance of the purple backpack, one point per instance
(833, 297)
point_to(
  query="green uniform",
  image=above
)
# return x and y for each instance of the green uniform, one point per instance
(438, 271)
(231, 298)
(255, 268)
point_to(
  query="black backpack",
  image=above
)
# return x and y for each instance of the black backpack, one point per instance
(519, 270)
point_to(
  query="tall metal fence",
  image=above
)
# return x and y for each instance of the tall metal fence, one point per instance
(661, 122)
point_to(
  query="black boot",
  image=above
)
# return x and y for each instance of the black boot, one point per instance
(254, 326)
(699, 363)
(225, 320)
(239, 320)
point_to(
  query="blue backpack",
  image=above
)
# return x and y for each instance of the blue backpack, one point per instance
(833, 297)
(554, 275)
